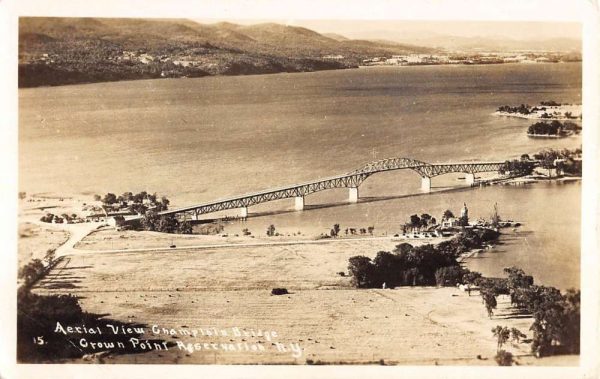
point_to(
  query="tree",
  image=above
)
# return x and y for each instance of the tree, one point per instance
(517, 278)
(127, 196)
(361, 269)
(489, 300)
(97, 197)
(150, 221)
(22, 195)
(556, 325)
(425, 219)
(109, 198)
(504, 358)
(140, 208)
(166, 224)
(447, 214)
(165, 202)
(415, 221)
(403, 248)
(271, 230)
(471, 277)
(371, 229)
(502, 334)
(448, 275)
(185, 227)
(517, 335)
(119, 220)
(31, 271)
(336, 230)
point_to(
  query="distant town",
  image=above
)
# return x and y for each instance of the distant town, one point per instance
(468, 58)
(189, 61)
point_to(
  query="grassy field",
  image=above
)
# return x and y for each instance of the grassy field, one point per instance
(35, 241)
(328, 319)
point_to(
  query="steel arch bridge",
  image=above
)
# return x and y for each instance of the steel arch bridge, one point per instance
(351, 180)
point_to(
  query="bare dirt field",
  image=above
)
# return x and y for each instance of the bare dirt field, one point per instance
(328, 320)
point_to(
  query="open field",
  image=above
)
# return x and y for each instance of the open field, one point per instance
(35, 241)
(229, 286)
(108, 239)
(331, 321)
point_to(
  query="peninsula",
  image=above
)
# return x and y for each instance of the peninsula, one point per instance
(546, 110)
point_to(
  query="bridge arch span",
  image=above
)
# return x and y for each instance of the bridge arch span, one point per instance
(351, 180)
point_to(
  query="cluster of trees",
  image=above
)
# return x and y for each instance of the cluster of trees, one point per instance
(550, 103)
(135, 203)
(353, 231)
(526, 109)
(516, 167)
(565, 160)
(336, 230)
(153, 222)
(570, 166)
(556, 324)
(422, 265)
(522, 109)
(417, 223)
(50, 217)
(553, 128)
(37, 315)
(32, 272)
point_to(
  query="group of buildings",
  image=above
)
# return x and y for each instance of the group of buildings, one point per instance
(479, 58)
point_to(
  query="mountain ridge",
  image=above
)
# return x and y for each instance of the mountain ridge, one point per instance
(55, 51)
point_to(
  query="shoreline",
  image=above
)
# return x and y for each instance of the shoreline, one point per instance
(533, 117)
(82, 237)
(557, 136)
(281, 72)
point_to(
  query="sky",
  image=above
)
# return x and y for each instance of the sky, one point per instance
(399, 30)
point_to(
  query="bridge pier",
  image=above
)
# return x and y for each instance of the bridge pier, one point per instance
(470, 179)
(244, 212)
(353, 195)
(425, 184)
(299, 203)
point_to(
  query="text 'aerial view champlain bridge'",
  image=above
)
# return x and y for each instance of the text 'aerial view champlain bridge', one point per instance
(351, 180)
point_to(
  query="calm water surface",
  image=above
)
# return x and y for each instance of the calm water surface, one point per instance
(195, 140)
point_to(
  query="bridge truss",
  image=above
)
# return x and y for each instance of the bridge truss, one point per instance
(350, 180)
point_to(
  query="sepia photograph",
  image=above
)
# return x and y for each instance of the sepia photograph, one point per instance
(213, 190)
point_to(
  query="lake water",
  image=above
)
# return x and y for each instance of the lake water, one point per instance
(196, 140)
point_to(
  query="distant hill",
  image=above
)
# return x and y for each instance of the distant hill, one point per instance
(56, 51)
(335, 36)
(453, 43)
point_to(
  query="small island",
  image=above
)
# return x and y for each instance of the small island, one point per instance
(554, 129)
(546, 110)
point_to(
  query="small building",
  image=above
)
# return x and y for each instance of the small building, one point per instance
(451, 222)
